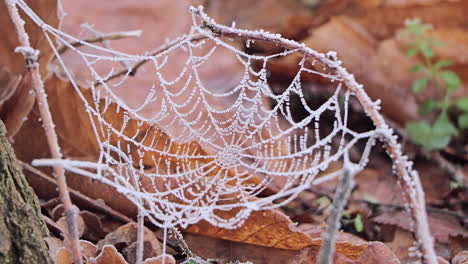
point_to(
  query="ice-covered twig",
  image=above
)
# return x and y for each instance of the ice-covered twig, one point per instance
(103, 37)
(30, 56)
(403, 168)
(132, 70)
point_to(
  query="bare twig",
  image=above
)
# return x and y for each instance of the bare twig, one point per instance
(342, 193)
(101, 38)
(105, 42)
(408, 177)
(79, 197)
(30, 56)
(132, 71)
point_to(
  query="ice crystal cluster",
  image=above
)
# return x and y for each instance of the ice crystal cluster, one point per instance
(186, 148)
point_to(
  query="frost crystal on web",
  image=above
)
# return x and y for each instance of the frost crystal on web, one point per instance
(186, 148)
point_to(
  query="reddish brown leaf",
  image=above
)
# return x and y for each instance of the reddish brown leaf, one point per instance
(269, 228)
(126, 236)
(21, 100)
(110, 255)
(442, 226)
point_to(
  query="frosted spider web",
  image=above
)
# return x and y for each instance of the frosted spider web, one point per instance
(191, 150)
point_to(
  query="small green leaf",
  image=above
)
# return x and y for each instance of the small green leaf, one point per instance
(462, 103)
(412, 52)
(451, 79)
(416, 68)
(419, 131)
(443, 127)
(358, 225)
(427, 107)
(419, 84)
(431, 138)
(427, 51)
(443, 63)
(418, 30)
(346, 214)
(463, 121)
(438, 142)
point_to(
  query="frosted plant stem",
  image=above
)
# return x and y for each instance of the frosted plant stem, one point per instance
(180, 240)
(409, 178)
(140, 236)
(345, 186)
(164, 244)
(33, 67)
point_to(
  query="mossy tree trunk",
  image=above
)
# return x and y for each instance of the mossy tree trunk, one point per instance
(22, 231)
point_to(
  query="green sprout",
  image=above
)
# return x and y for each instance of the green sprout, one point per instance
(438, 134)
(356, 221)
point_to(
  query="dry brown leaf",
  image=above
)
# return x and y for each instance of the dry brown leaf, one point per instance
(88, 250)
(110, 255)
(15, 110)
(126, 236)
(63, 256)
(60, 254)
(402, 241)
(229, 251)
(375, 252)
(55, 245)
(166, 259)
(269, 228)
(442, 226)
(346, 244)
(460, 258)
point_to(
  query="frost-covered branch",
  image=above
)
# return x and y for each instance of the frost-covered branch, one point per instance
(30, 56)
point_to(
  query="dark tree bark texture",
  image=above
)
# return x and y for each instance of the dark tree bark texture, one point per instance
(22, 231)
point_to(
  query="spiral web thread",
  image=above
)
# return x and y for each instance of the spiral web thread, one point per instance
(192, 151)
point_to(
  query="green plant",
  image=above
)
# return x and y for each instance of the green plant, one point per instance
(437, 135)
(356, 221)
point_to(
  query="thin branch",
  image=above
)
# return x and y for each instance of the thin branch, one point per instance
(343, 191)
(101, 38)
(30, 56)
(132, 71)
(409, 178)
(77, 196)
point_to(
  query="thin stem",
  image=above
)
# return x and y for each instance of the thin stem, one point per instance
(140, 236)
(33, 67)
(342, 193)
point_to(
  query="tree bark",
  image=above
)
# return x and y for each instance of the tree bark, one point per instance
(22, 230)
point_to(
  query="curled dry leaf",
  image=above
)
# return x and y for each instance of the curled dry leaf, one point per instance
(126, 236)
(110, 255)
(61, 255)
